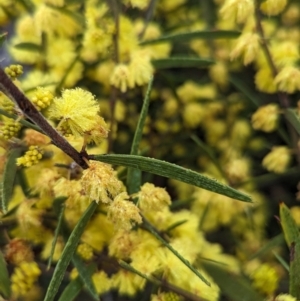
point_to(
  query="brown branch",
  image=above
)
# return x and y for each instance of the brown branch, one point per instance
(12, 91)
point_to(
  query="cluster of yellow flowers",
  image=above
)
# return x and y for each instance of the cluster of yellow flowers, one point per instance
(87, 65)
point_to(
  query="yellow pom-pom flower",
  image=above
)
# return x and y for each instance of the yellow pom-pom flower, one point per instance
(288, 79)
(24, 277)
(123, 213)
(248, 46)
(265, 279)
(284, 297)
(76, 109)
(101, 282)
(266, 118)
(85, 251)
(239, 10)
(153, 198)
(273, 7)
(100, 183)
(31, 157)
(277, 160)
(120, 77)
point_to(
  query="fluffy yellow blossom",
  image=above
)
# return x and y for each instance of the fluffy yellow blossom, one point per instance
(17, 251)
(285, 53)
(266, 118)
(48, 19)
(76, 109)
(237, 170)
(153, 198)
(32, 137)
(193, 114)
(288, 79)
(127, 283)
(291, 15)
(218, 72)
(190, 91)
(123, 213)
(284, 297)
(31, 157)
(169, 296)
(248, 46)
(295, 210)
(100, 183)
(85, 251)
(140, 69)
(277, 160)
(101, 282)
(24, 277)
(123, 243)
(239, 10)
(120, 77)
(273, 7)
(264, 80)
(265, 279)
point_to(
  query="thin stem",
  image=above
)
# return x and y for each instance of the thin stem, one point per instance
(161, 282)
(283, 97)
(114, 6)
(28, 109)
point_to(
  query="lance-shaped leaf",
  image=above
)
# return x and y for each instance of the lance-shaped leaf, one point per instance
(172, 171)
(4, 279)
(29, 47)
(187, 36)
(134, 175)
(2, 38)
(294, 289)
(235, 287)
(8, 179)
(288, 224)
(293, 118)
(68, 252)
(182, 62)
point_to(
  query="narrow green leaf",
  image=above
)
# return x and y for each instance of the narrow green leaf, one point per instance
(22, 121)
(152, 230)
(56, 234)
(235, 287)
(29, 47)
(134, 175)
(4, 279)
(175, 225)
(294, 288)
(85, 273)
(281, 261)
(172, 171)
(288, 224)
(68, 252)
(269, 246)
(2, 38)
(8, 179)
(293, 118)
(182, 62)
(72, 290)
(185, 37)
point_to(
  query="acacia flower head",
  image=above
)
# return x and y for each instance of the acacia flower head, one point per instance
(277, 160)
(76, 109)
(266, 118)
(288, 79)
(153, 198)
(123, 213)
(239, 10)
(100, 183)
